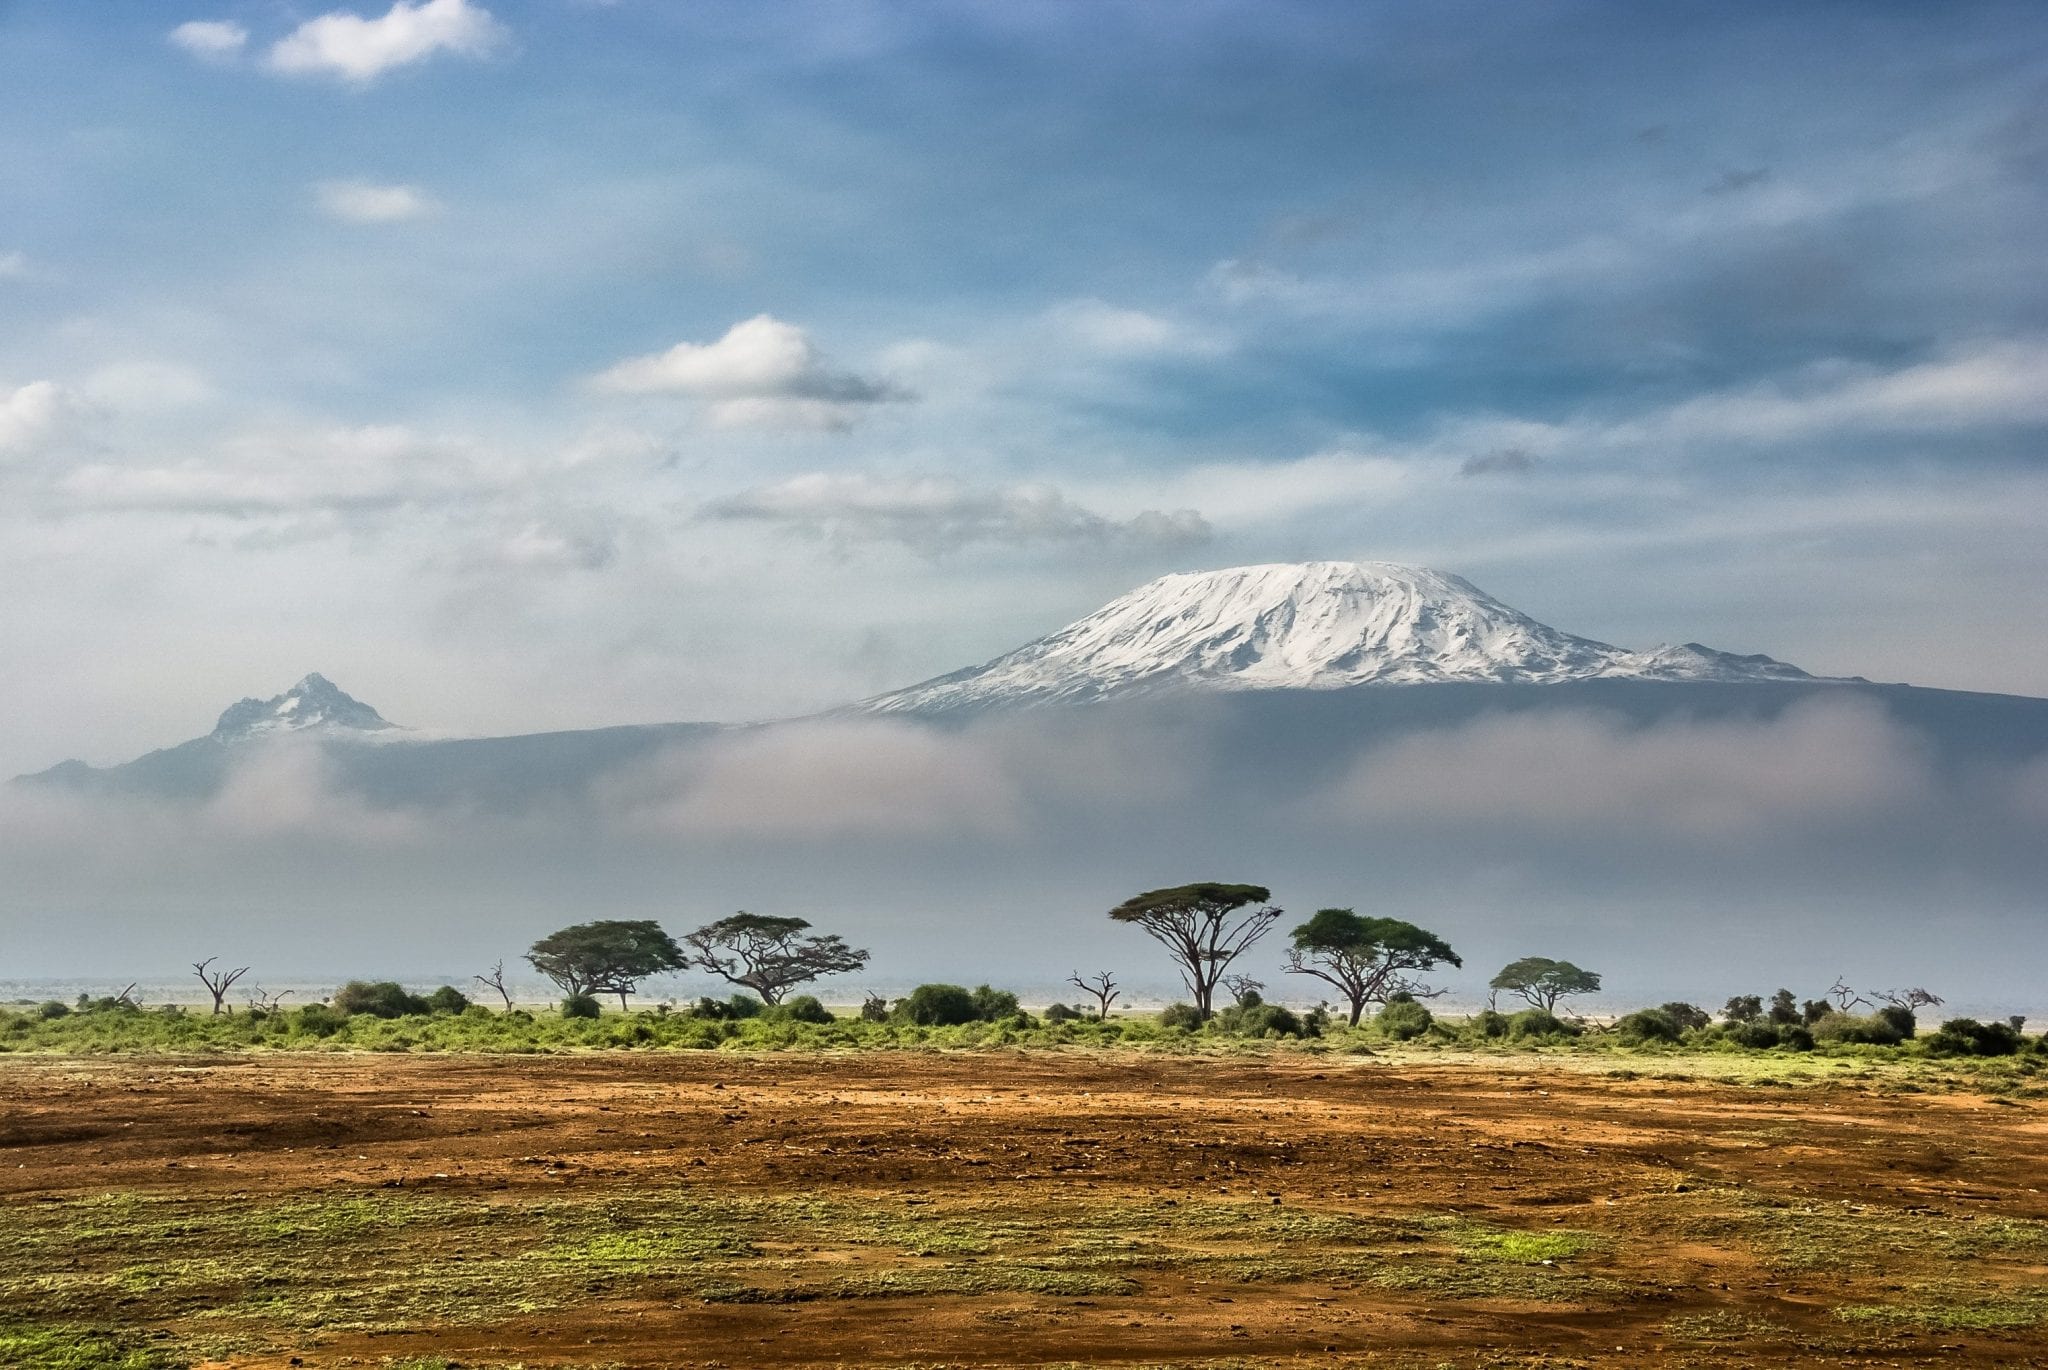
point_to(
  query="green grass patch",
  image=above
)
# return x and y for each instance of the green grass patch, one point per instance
(1955, 1308)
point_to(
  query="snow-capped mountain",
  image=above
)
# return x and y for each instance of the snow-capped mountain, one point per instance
(1319, 625)
(315, 703)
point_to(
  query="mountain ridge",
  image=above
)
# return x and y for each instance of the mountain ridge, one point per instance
(1308, 625)
(1277, 629)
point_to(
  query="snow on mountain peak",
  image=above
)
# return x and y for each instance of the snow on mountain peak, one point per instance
(1316, 625)
(314, 703)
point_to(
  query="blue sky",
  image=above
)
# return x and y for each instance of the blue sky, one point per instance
(544, 364)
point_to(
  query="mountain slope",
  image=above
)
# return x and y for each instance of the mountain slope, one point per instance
(1314, 626)
(315, 703)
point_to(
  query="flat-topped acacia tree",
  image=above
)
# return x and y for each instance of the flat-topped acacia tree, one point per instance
(1367, 959)
(609, 956)
(1204, 926)
(1544, 983)
(769, 955)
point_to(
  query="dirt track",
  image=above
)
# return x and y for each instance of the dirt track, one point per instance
(1078, 1208)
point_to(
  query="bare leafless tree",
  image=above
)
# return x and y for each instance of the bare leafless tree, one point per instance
(218, 982)
(127, 996)
(1908, 999)
(1845, 998)
(496, 980)
(1242, 987)
(1102, 985)
(263, 1001)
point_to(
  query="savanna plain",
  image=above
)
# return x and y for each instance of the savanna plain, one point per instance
(1183, 1204)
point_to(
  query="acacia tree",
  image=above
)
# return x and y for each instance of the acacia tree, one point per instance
(1102, 985)
(769, 955)
(609, 956)
(1367, 959)
(218, 982)
(1545, 983)
(1204, 927)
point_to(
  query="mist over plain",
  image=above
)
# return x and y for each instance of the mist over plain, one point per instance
(1686, 842)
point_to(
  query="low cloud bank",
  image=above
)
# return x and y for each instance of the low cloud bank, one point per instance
(1826, 838)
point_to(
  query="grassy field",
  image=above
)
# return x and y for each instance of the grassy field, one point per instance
(1209, 1204)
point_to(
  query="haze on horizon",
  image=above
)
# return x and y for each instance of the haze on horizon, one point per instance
(544, 364)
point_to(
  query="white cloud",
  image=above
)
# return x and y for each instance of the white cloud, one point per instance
(367, 202)
(823, 780)
(763, 372)
(338, 470)
(1990, 384)
(29, 414)
(1104, 327)
(936, 514)
(1821, 765)
(211, 40)
(358, 50)
(147, 385)
(13, 266)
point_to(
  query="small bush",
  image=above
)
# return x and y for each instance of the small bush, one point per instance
(728, 1010)
(582, 1006)
(1258, 1019)
(874, 1009)
(1756, 1034)
(1648, 1025)
(1875, 1030)
(1490, 1023)
(1184, 1016)
(1060, 1013)
(318, 1020)
(1901, 1019)
(447, 999)
(1536, 1022)
(938, 1006)
(1689, 1017)
(994, 1005)
(53, 1009)
(1796, 1037)
(1968, 1037)
(1403, 1019)
(382, 999)
(804, 1008)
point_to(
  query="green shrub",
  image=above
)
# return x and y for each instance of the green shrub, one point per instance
(1901, 1019)
(1968, 1037)
(1490, 1023)
(447, 999)
(938, 1006)
(1875, 1030)
(53, 1009)
(1403, 1019)
(1796, 1037)
(874, 1009)
(1756, 1034)
(804, 1008)
(318, 1020)
(1060, 1013)
(728, 1010)
(1258, 1019)
(382, 999)
(1536, 1022)
(1184, 1016)
(1689, 1017)
(994, 1005)
(1648, 1025)
(582, 1006)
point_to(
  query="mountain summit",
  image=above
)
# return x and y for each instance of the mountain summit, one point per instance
(1319, 625)
(314, 703)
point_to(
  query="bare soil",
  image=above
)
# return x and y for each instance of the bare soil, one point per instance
(1011, 1208)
